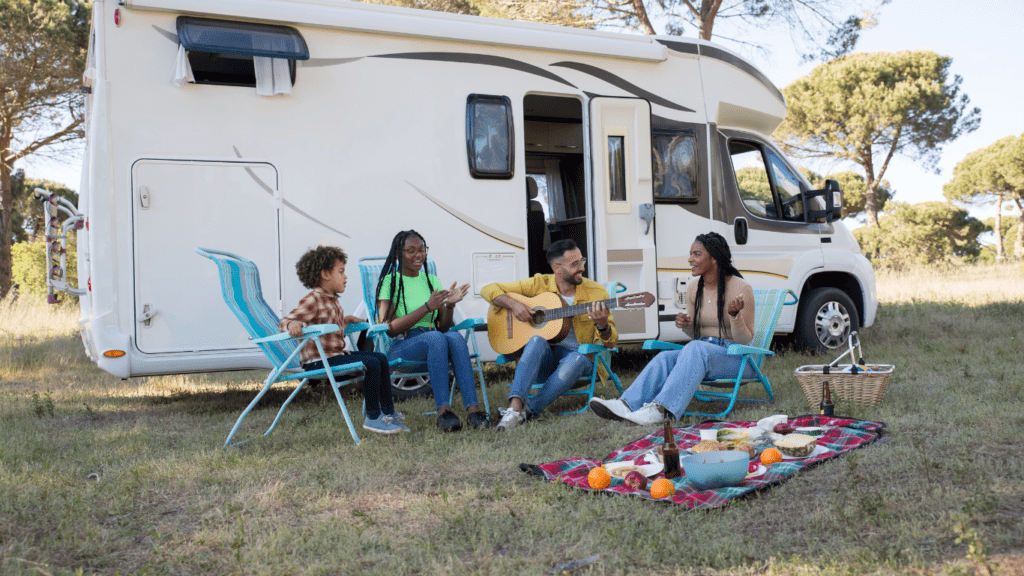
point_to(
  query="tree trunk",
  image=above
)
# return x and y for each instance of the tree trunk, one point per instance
(641, 14)
(1000, 250)
(708, 11)
(6, 211)
(870, 193)
(1018, 245)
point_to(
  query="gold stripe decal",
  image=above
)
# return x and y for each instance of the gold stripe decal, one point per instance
(497, 235)
(758, 272)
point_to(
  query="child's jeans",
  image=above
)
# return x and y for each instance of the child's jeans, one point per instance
(376, 379)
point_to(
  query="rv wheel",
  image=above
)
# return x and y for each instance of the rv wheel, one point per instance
(825, 320)
(404, 387)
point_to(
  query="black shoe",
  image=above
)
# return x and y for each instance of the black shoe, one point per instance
(447, 421)
(478, 420)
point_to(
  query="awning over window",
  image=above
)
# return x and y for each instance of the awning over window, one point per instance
(241, 38)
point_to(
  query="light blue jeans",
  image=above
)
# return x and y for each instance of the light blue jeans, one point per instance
(672, 377)
(438, 349)
(556, 366)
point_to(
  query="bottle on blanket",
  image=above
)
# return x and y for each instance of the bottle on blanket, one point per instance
(826, 407)
(670, 452)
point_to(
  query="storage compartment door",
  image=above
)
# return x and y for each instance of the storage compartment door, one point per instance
(181, 205)
(623, 202)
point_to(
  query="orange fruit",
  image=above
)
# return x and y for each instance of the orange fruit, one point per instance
(770, 456)
(662, 488)
(599, 479)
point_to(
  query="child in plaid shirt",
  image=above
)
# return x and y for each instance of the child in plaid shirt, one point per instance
(322, 270)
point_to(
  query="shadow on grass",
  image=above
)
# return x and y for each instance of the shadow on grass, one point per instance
(234, 400)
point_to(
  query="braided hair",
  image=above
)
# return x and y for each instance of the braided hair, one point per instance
(717, 248)
(396, 283)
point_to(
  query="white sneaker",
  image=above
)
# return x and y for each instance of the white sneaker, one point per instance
(616, 410)
(651, 413)
(511, 418)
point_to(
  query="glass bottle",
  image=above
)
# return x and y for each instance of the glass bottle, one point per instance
(826, 407)
(670, 452)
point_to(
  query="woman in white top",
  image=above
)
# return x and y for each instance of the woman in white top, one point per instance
(723, 313)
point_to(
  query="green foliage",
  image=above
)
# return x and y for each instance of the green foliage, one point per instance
(31, 221)
(753, 185)
(868, 107)
(985, 174)
(30, 267)
(854, 189)
(925, 234)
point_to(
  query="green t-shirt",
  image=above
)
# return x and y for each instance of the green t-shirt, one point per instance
(415, 294)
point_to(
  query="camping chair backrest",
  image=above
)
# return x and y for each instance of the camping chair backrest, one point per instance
(240, 285)
(767, 307)
(369, 269)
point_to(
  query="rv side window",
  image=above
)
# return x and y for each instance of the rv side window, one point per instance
(489, 136)
(675, 166)
(227, 53)
(766, 185)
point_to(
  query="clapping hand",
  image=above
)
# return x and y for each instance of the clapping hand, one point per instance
(437, 299)
(735, 305)
(456, 293)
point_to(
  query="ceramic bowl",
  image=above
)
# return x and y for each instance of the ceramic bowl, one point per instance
(716, 469)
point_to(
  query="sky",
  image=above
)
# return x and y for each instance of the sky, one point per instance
(981, 37)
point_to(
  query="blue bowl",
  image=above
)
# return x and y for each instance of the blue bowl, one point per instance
(716, 469)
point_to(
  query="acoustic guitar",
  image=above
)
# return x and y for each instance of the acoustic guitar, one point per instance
(552, 318)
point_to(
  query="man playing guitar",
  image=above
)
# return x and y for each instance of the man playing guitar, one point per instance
(557, 364)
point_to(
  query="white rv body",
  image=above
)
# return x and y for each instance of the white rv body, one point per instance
(373, 140)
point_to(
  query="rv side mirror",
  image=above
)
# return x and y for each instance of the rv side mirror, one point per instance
(833, 196)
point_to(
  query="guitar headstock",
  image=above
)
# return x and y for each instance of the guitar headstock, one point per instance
(638, 300)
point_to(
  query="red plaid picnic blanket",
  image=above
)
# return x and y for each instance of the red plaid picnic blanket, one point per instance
(843, 435)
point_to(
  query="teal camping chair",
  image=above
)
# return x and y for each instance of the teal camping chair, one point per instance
(408, 371)
(768, 306)
(602, 357)
(240, 284)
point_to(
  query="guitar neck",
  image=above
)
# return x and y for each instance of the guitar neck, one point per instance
(568, 311)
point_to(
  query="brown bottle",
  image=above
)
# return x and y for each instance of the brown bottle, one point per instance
(826, 407)
(670, 452)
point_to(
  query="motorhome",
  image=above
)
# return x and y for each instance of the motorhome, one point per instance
(267, 127)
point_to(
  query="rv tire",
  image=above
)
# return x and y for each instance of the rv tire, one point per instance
(405, 387)
(825, 320)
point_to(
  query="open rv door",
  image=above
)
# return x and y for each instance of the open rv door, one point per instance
(623, 206)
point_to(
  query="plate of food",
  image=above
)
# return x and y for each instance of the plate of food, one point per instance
(761, 469)
(646, 465)
(818, 451)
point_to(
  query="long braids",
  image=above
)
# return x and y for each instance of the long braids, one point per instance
(718, 248)
(396, 282)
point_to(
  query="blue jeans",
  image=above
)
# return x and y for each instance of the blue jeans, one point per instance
(672, 377)
(438, 349)
(557, 367)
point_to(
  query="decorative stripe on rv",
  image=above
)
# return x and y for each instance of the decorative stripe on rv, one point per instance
(496, 234)
(485, 59)
(622, 84)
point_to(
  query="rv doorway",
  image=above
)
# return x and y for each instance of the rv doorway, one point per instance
(555, 194)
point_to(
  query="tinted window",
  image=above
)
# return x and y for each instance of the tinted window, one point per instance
(617, 168)
(221, 51)
(489, 136)
(675, 165)
(788, 189)
(767, 187)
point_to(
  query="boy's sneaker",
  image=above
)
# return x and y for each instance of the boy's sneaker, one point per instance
(478, 420)
(609, 409)
(396, 420)
(650, 413)
(380, 425)
(511, 418)
(447, 421)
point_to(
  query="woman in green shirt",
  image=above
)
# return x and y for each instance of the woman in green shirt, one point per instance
(419, 312)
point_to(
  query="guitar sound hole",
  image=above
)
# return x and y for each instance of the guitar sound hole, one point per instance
(538, 317)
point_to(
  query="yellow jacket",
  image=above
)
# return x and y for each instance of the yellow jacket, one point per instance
(589, 291)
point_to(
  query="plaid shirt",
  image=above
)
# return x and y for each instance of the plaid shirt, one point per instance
(318, 307)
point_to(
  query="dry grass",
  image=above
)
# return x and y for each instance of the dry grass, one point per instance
(104, 476)
(969, 285)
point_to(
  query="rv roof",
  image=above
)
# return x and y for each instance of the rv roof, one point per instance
(341, 14)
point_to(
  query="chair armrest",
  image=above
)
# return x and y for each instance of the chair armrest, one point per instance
(356, 327)
(377, 329)
(314, 331)
(595, 349)
(741, 349)
(660, 345)
(468, 323)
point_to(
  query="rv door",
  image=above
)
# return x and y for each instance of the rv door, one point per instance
(623, 206)
(179, 205)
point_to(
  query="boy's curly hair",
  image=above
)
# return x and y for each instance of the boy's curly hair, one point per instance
(318, 260)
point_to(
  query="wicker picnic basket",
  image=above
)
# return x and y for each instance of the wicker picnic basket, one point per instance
(859, 383)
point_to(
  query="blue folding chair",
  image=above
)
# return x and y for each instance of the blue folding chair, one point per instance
(602, 357)
(404, 370)
(767, 308)
(240, 284)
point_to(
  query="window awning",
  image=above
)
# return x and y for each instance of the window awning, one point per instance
(241, 38)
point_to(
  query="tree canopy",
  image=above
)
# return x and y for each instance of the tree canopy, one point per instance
(992, 174)
(867, 107)
(924, 233)
(42, 57)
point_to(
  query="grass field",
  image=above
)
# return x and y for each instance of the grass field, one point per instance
(103, 476)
